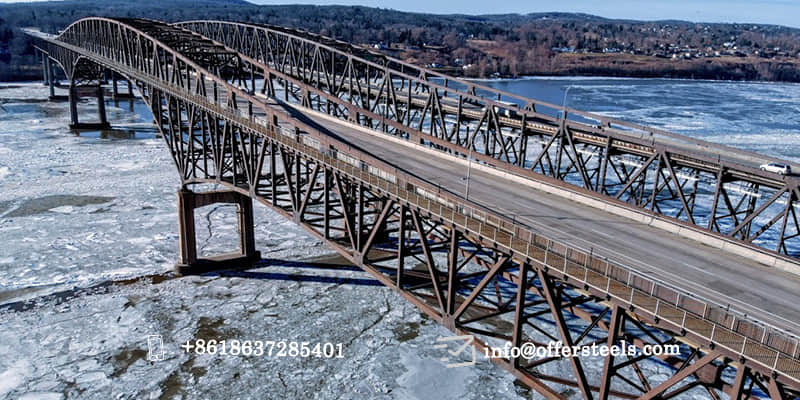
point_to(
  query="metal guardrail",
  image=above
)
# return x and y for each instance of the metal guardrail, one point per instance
(492, 96)
(768, 346)
(681, 151)
(688, 312)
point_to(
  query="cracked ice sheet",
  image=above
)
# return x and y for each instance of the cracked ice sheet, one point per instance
(90, 210)
(387, 345)
(81, 211)
(76, 211)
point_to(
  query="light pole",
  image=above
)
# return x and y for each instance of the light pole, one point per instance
(469, 170)
(564, 101)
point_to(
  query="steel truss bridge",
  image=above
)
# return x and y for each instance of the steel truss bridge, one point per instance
(367, 153)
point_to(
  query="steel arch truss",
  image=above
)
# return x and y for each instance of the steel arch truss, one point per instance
(467, 268)
(458, 279)
(686, 180)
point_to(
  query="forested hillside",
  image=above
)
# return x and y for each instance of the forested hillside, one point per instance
(474, 46)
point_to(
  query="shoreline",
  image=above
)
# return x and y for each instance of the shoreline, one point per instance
(7, 83)
(619, 78)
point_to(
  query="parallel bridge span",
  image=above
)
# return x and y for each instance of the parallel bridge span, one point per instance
(713, 189)
(470, 268)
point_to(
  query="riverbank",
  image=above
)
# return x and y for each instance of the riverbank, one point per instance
(617, 65)
(633, 66)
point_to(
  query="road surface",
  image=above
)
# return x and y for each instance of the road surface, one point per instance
(766, 293)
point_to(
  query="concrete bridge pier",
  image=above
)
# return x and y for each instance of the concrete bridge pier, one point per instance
(52, 78)
(189, 263)
(114, 89)
(73, 106)
(46, 72)
(75, 122)
(48, 75)
(115, 92)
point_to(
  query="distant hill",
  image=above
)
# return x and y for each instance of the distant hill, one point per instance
(469, 45)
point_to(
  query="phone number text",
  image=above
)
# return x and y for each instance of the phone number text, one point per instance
(264, 348)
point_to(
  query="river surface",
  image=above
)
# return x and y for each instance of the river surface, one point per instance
(757, 116)
(88, 234)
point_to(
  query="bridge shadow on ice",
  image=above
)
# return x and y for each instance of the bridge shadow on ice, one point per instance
(318, 265)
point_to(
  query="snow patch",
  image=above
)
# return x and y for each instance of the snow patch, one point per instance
(41, 396)
(427, 378)
(13, 377)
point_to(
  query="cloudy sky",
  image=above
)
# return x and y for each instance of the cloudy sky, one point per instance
(780, 12)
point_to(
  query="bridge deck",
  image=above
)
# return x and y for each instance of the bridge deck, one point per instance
(174, 84)
(691, 145)
(766, 293)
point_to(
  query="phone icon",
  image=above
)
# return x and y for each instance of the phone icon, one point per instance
(155, 348)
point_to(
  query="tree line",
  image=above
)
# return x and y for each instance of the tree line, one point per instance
(473, 46)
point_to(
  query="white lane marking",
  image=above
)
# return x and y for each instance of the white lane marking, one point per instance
(692, 266)
(661, 272)
(653, 269)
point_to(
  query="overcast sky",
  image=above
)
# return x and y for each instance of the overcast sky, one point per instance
(779, 12)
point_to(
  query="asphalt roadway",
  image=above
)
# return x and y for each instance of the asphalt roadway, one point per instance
(763, 292)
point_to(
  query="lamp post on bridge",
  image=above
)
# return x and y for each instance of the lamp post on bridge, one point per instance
(564, 102)
(469, 171)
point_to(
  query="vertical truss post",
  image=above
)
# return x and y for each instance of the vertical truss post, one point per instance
(600, 184)
(617, 322)
(738, 388)
(452, 272)
(326, 205)
(712, 216)
(555, 307)
(519, 310)
(401, 246)
(73, 106)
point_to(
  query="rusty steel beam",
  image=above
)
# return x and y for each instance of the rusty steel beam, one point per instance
(440, 111)
(219, 131)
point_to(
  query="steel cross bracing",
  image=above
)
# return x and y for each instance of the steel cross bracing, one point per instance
(466, 267)
(713, 188)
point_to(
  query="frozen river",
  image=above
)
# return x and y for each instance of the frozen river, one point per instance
(88, 233)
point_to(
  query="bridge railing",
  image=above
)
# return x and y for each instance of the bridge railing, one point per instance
(677, 309)
(448, 85)
(685, 311)
(321, 64)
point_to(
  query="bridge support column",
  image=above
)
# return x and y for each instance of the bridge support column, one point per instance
(73, 106)
(189, 262)
(114, 88)
(101, 106)
(46, 71)
(101, 110)
(116, 94)
(52, 81)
